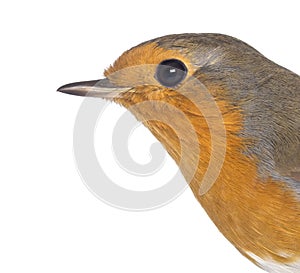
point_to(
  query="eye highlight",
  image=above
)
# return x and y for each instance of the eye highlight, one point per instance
(171, 72)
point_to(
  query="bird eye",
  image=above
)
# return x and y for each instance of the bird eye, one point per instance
(170, 72)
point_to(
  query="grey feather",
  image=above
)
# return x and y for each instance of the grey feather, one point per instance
(268, 94)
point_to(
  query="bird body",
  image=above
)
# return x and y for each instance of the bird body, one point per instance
(255, 200)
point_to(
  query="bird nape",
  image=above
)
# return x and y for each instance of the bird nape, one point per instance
(254, 199)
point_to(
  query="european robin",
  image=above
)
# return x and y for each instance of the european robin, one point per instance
(255, 198)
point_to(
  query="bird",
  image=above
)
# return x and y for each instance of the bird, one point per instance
(254, 200)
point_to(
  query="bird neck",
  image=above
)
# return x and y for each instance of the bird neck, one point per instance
(259, 216)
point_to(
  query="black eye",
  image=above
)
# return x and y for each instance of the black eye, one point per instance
(170, 72)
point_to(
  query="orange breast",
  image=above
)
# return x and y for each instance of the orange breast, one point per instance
(258, 216)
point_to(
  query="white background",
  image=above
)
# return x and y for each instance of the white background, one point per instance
(50, 222)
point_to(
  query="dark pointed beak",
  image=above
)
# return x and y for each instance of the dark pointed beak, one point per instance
(99, 88)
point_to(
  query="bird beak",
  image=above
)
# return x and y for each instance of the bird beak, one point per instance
(99, 88)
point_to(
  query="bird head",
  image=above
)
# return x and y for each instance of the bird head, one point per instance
(215, 83)
(177, 82)
(155, 69)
